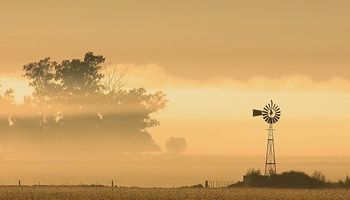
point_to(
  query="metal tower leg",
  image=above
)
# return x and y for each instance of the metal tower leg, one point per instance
(270, 164)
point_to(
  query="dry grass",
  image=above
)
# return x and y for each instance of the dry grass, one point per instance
(101, 193)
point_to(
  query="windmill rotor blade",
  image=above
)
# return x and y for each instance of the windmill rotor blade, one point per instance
(273, 120)
(270, 120)
(267, 107)
(266, 118)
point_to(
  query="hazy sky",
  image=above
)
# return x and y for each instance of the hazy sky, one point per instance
(216, 60)
(193, 39)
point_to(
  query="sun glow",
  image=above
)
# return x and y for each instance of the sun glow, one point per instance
(19, 85)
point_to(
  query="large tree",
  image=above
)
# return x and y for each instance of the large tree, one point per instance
(70, 108)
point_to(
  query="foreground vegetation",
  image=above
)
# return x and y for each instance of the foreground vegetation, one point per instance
(101, 193)
(290, 179)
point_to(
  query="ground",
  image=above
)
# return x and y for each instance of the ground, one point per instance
(104, 193)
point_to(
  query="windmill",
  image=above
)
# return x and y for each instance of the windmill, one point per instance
(271, 113)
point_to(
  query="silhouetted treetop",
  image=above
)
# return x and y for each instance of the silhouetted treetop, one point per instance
(80, 77)
(70, 77)
(41, 77)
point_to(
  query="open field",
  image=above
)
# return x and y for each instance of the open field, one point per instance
(101, 193)
(150, 171)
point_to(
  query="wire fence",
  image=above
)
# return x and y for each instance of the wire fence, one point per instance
(217, 184)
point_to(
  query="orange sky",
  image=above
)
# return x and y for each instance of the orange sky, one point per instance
(192, 39)
(215, 60)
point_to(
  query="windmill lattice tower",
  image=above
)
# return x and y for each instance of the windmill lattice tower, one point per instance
(271, 113)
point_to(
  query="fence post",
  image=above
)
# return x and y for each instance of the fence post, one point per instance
(206, 185)
(112, 184)
(19, 182)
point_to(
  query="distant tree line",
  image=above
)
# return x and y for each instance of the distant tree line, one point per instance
(76, 105)
(290, 179)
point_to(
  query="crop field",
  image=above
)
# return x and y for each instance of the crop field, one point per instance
(101, 193)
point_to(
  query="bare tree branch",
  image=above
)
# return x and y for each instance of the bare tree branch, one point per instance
(114, 79)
